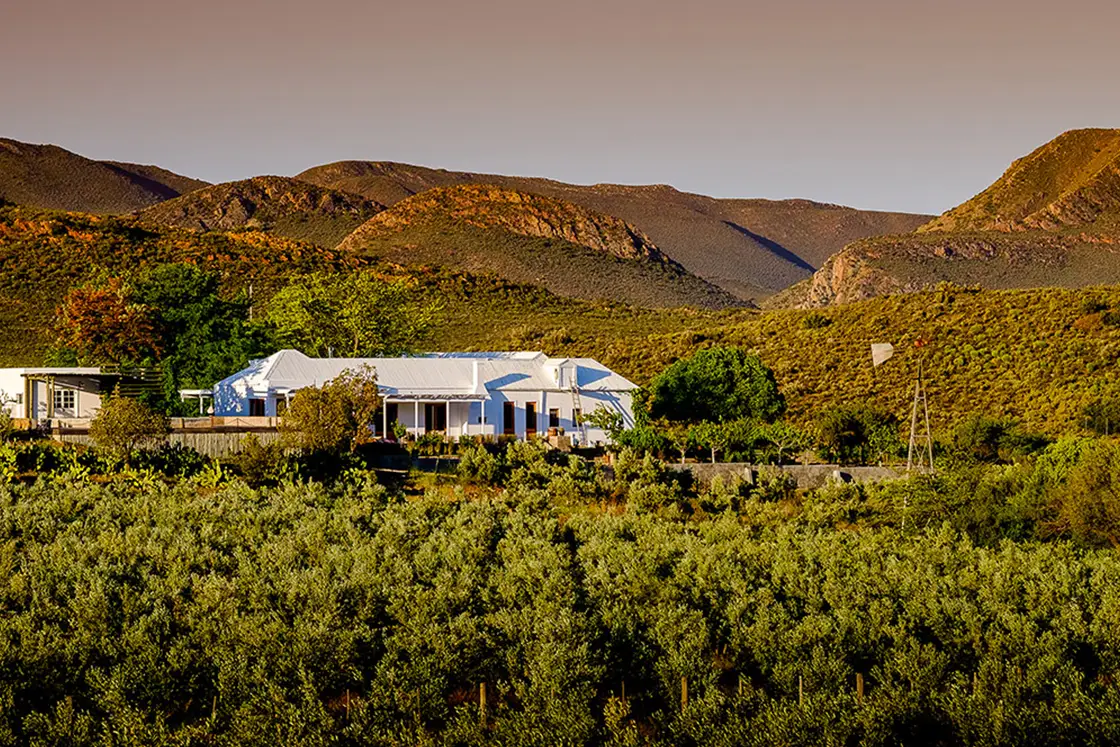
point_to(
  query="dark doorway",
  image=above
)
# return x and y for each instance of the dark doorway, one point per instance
(509, 413)
(554, 418)
(391, 416)
(435, 417)
(256, 408)
(530, 419)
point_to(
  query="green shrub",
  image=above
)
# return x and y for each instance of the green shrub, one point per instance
(7, 427)
(260, 464)
(478, 465)
(815, 320)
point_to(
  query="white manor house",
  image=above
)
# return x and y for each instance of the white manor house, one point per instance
(520, 394)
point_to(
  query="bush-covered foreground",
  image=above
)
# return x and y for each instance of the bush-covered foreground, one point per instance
(199, 614)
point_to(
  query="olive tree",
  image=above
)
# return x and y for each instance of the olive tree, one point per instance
(335, 417)
(124, 425)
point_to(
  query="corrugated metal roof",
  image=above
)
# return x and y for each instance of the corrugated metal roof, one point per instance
(59, 371)
(447, 375)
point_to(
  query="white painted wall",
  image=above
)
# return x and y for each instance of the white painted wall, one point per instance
(86, 403)
(563, 401)
(11, 389)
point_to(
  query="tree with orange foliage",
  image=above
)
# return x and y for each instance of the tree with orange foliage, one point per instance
(101, 324)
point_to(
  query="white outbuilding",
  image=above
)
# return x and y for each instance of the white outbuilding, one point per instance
(520, 394)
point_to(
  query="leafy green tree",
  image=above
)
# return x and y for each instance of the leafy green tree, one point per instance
(712, 436)
(358, 314)
(681, 436)
(736, 438)
(336, 417)
(206, 337)
(605, 419)
(124, 425)
(171, 315)
(851, 434)
(982, 438)
(717, 385)
(1088, 505)
(784, 438)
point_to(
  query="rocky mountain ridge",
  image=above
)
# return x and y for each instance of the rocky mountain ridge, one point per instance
(1052, 219)
(47, 176)
(750, 248)
(278, 204)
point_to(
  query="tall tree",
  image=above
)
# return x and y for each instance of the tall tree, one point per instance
(336, 417)
(103, 323)
(206, 336)
(358, 315)
(172, 315)
(716, 385)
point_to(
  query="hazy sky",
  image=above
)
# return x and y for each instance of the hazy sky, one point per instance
(890, 104)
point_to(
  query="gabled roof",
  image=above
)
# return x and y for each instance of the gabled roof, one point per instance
(439, 375)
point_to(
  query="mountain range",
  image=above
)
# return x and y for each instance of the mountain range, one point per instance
(706, 252)
(50, 177)
(750, 248)
(1052, 219)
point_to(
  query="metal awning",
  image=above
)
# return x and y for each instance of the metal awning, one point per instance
(433, 397)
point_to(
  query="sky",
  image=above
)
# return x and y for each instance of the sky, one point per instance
(908, 105)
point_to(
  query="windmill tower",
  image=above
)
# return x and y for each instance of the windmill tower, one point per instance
(919, 453)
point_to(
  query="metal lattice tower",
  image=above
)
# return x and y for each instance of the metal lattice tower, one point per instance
(921, 441)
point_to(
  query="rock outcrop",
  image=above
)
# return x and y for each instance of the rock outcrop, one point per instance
(522, 213)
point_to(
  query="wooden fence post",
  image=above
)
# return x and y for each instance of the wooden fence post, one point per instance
(624, 692)
(347, 704)
(859, 688)
(684, 693)
(482, 705)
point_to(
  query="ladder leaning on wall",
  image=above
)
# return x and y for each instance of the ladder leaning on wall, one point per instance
(577, 407)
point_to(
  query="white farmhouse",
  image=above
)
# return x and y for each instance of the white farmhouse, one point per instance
(487, 394)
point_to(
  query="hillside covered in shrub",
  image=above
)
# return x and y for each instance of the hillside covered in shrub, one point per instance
(1039, 355)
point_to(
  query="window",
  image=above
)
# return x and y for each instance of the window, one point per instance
(64, 399)
(576, 415)
(530, 419)
(554, 418)
(19, 398)
(509, 413)
(256, 408)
